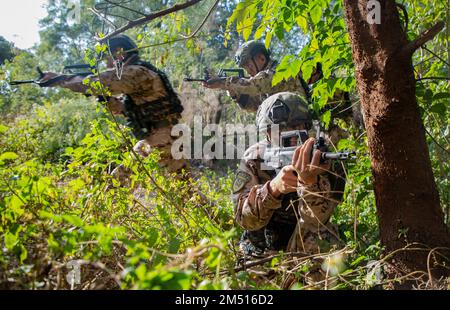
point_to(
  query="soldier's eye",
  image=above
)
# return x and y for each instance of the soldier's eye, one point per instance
(304, 136)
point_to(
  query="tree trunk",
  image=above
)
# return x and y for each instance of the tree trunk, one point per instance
(406, 196)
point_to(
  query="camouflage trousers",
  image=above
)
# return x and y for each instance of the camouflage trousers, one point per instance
(253, 246)
(161, 140)
(314, 241)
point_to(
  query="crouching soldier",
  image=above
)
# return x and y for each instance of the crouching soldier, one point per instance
(290, 209)
(249, 93)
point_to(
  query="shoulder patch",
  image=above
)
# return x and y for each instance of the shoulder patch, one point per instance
(240, 180)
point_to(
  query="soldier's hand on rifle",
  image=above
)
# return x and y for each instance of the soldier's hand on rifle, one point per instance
(213, 83)
(285, 182)
(115, 105)
(308, 169)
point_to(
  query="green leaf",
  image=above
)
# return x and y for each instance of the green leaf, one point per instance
(279, 31)
(23, 253)
(302, 23)
(10, 241)
(174, 245)
(268, 39)
(316, 14)
(74, 220)
(3, 128)
(77, 184)
(359, 259)
(8, 156)
(213, 258)
(277, 78)
(15, 204)
(247, 28)
(326, 118)
(141, 271)
(439, 108)
(437, 96)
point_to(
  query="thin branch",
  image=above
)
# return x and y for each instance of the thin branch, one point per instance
(423, 38)
(124, 7)
(405, 15)
(203, 22)
(98, 14)
(433, 78)
(437, 143)
(150, 17)
(268, 259)
(436, 55)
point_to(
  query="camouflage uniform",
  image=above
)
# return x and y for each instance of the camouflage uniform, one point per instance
(250, 92)
(144, 88)
(297, 221)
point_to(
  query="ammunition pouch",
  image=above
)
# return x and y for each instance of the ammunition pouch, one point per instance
(155, 114)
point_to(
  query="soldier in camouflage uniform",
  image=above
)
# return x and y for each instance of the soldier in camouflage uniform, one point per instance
(141, 92)
(289, 210)
(250, 92)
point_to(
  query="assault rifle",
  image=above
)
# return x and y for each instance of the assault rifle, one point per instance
(221, 75)
(68, 71)
(276, 157)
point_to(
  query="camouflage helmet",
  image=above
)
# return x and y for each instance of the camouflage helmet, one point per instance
(124, 42)
(248, 50)
(285, 109)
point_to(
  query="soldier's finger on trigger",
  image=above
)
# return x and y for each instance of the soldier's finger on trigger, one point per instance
(306, 160)
(296, 156)
(298, 161)
(315, 162)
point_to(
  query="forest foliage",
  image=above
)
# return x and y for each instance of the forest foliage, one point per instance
(59, 203)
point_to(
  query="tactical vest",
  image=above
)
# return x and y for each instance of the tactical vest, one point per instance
(159, 113)
(276, 234)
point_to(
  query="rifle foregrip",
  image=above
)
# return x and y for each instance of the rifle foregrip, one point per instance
(41, 74)
(337, 156)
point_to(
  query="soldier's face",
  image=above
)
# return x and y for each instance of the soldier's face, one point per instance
(118, 55)
(294, 139)
(259, 60)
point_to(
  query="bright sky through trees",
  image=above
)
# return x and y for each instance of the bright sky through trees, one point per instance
(19, 21)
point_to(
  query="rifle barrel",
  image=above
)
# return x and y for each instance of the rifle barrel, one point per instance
(12, 83)
(338, 156)
(194, 80)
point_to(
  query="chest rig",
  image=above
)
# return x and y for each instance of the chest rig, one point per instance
(158, 113)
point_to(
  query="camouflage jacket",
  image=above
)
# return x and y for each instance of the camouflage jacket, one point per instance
(136, 81)
(296, 221)
(249, 93)
(144, 87)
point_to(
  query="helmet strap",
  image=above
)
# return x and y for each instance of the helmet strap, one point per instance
(256, 66)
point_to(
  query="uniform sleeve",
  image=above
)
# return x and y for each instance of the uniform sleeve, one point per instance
(254, 205)
(132, 79)
(246, 102)
(261, 84)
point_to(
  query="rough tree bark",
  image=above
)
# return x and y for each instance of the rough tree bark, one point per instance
(406, 196)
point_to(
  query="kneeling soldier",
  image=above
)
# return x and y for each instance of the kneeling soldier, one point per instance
(289, 210)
